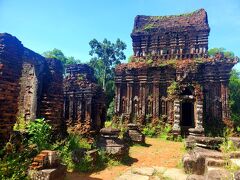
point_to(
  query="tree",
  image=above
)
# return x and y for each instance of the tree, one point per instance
(213, 51)
(106, 56)
(58, 54)
(234, 86)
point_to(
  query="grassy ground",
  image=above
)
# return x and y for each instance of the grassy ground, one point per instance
(157, 152)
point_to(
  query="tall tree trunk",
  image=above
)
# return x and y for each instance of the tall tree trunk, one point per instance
(104, 79)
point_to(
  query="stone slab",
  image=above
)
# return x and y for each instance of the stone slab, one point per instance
(148, 171)
(130, 176)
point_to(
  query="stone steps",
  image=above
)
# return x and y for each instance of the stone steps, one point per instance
(215, 173)
(211, 162)
(235, 155)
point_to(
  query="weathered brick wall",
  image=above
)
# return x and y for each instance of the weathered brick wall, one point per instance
(51, 107)
(31, 84)
(11, 51)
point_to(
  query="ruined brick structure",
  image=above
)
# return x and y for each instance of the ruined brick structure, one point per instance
(30, 86)
(171, 78)
(84, 100)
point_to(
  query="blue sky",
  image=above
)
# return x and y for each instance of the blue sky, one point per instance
(69, 25)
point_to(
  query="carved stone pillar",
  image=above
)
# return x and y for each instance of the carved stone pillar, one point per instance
(79, 110)
(129, 94)
(117, 98)
(176, 124)
(224, 97)
(65, 107)
(156, 100)
(88, 108)
(70, 117)
(199, 118)
(143, 98)
(140, 98)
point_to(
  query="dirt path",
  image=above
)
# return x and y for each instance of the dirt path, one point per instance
(159, 153)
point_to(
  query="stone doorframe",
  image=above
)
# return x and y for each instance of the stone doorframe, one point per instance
(198, 113)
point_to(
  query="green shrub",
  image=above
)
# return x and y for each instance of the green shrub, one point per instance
(161, 130)
(227, 146)
(171, 90)
(40, 134)
(85, 165)
(110, 110)
(14, 162)
(108, 124)
(66, 148)
(14, 166)
(149, 61)
(149, 130)
(165, 130)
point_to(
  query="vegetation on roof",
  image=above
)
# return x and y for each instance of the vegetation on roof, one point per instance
(151, 22)
(173, 16)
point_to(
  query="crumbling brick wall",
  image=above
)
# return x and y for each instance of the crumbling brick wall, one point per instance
(11, 51)
(31, 86)
(51, 107)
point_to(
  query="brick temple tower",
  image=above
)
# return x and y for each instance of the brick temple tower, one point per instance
(171, 78)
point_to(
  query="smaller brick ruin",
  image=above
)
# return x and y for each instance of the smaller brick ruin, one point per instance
(84, 100)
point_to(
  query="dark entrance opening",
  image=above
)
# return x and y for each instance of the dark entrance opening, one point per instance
(187, 114)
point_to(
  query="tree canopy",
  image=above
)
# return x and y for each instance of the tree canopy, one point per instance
(213, 51)
(105, 56)
(234, 86)
(58, 54)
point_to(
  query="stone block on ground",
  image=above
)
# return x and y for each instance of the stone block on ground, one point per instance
(148, 171)
(195, 161)
(134, 135)
(58, 173)
(236, 141)
(218, 174)
(195, 177)
(204, 142)
(110, 142)
(46, 166)
(174, 173)
(237, 175)
(132, 177)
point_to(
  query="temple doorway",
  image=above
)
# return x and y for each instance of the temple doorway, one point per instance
(187, 116)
